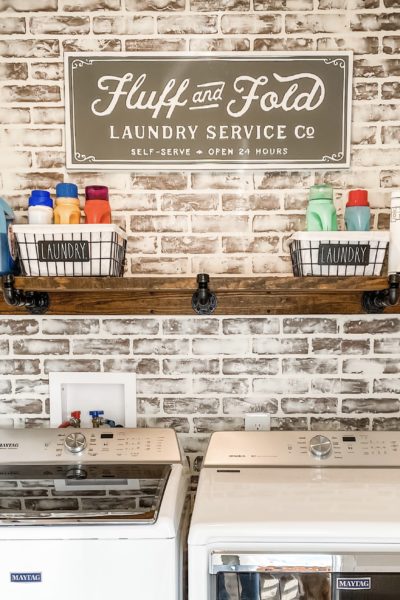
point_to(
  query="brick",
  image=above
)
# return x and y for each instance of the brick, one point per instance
(289, 424)
(48, 115)
(155, 5)
(250, 326)
(189, 202)
(211, 345)
(90, 44)
(90, 5)
(5, 386)
(70, 326)
(34, 137)
(219, 223)
(20, 406)
(283, 5)
(309, 405)
(277, 385)
(161, 223)
(193, 24)
(275, 223)
(161, 386)
(134, 25)
(140, 202)
(386, 424)
(49, 159)
(250, 366)
(33, 48)
(148, 406)
(383, 386)
(389, 179)
(350, 179)
(379, 157)
(339, 424)
(247, 24)
(363, 135)
(295, 200)
(340, 346)
(160, 346)
(141, 366)
(376, 68)
(35, 423)
(250, 244)
(272, 345)
(100, 346)
(224, 44)
(359, 45)
(169, 266)
(390, 134)
(391, 44)
(350, 4)
(377, 112)
(46, 71)
(249, 404)
(309, 365)
(282, 180)
(4, 347)
(315, 23)
(155, 45)
(14, 115)
(59, 25)
(365, 91)
(191, 326)
(30, 181)
(180, 424)
(286, 43)
(189, 244)
(222, 181)
(371, 366)
(19, 367)
(87, 365)
(191, 405)
(18, 327)
(375, 22)
(211, 385)
(161, 181)
(190, 366)
(219, 5)
(17, 70)
(31, 93)
(339, 386)
(209, 424)
(36, 346)
(244, 202)
(220, 265)
(34, 5)
(370, 405)
(32, 386)
(391, 3)
(371, 326)
(131, 326)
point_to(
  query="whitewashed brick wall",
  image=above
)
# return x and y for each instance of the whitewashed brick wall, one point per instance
(203, 374)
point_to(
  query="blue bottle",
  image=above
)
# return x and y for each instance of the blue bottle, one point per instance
(357, 214)
(7, 263)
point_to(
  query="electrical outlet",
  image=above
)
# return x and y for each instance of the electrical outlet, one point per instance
(257, 422)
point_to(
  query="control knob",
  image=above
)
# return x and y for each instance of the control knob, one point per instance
(320, 446)
(75, 442)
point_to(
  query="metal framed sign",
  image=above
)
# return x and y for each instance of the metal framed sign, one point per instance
(208, 111)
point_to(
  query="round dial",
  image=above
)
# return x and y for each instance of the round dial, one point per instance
(320, 446)
(75, 442)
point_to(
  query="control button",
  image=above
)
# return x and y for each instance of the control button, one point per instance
(320, 446)
(75, 442)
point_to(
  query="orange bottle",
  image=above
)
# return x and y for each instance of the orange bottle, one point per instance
(67, 210)
(97, 207)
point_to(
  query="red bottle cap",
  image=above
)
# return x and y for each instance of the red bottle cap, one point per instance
(96, 192)
(76, 414)
(358, 198)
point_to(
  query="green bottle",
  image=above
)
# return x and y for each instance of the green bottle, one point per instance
(321, 212)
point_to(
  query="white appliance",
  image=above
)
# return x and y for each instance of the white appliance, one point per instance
(91, 513)
(297, 515)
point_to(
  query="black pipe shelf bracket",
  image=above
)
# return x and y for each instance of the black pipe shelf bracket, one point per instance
(375, 302)
(204, 301)
(37, 303)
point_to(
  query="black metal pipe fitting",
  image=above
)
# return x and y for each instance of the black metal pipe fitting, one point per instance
(36, 303)
(375, 302)
(204, 301)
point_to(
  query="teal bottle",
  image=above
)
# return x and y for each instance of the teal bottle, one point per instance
(7, 264)
(321, 212)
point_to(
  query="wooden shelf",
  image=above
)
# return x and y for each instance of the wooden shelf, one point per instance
(172, 295)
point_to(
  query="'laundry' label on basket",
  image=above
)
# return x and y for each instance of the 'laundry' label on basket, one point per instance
(343, 254)
(61, 251)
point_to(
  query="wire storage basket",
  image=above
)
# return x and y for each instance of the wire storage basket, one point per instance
(338, 253)
(71, 250)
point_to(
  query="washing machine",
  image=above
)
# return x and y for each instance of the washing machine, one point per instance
(91, 513)
(297, 515)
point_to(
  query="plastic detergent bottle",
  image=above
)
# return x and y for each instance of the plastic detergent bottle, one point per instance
(40, 209)
(321, 212)
(97, 207)
(7, 264)
(67, 209)
(394, 234)
(357, 214)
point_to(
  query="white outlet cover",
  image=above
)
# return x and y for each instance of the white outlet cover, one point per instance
(115, 393)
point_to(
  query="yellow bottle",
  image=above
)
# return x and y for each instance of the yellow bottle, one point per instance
(67, 210)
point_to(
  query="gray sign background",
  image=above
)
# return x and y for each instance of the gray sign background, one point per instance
(216, 111)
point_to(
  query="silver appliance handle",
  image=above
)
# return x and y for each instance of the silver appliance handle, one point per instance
(224, 562)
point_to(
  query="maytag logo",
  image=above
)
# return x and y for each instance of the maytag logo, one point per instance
(353, 583)
(8, 445)
(25, 577)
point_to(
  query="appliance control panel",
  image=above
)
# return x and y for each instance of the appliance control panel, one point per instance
(304, 449)
(41, 446)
